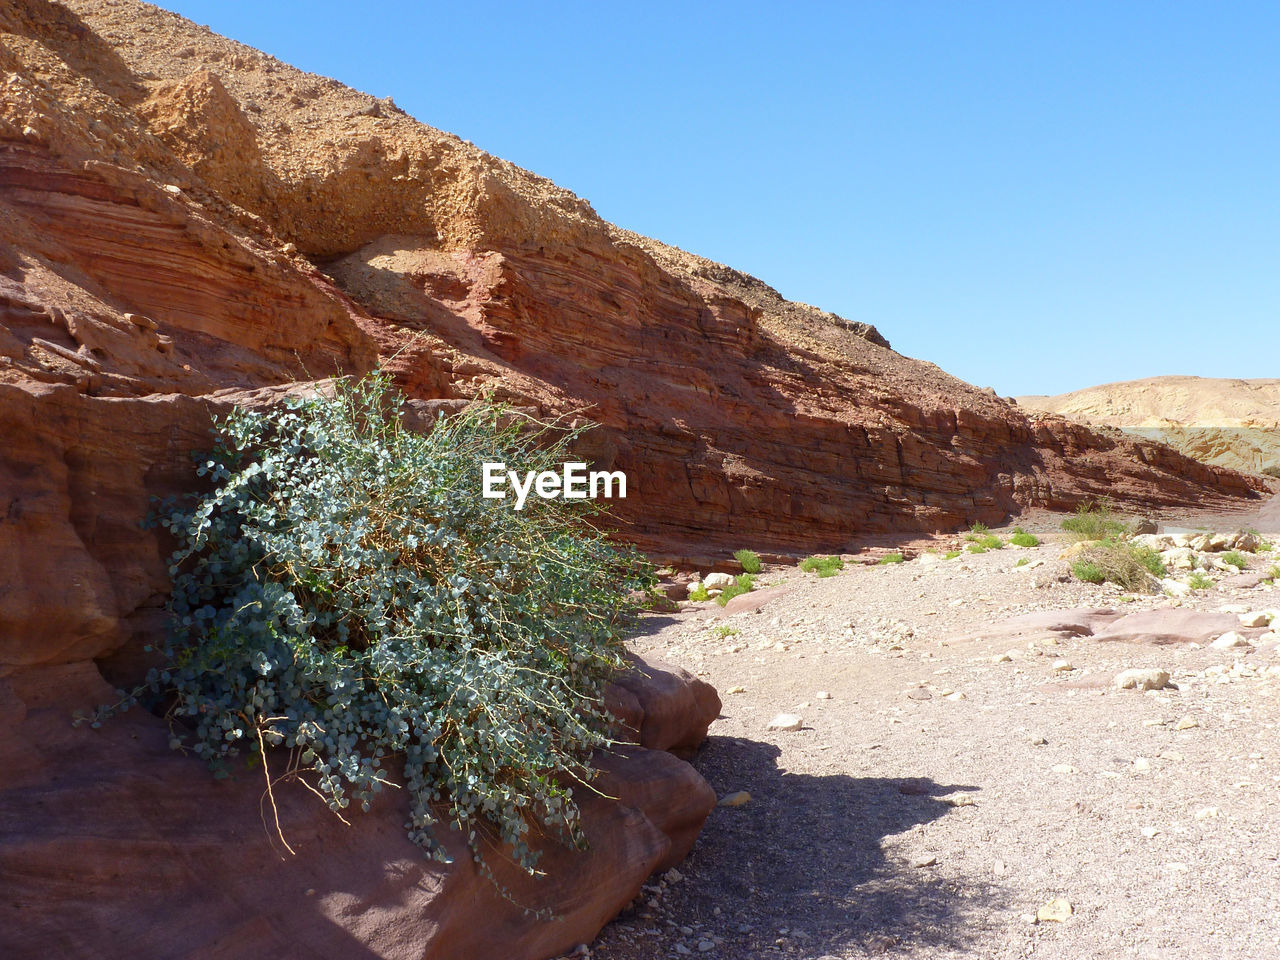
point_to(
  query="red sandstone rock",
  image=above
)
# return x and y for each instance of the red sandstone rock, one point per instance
(114, 846)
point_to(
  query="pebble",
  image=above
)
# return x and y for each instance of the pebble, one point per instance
(1063, 768)
(1062, 666)
(822, 695)
(1055, 911)
(1256, 618)
(1186, 723)
(786, 722)
(1150, 832)
(736, 690)
(1139, 679)
(739, 798)
(927, 860)
(1001, 658)
(1207, 813)
(1229, 640)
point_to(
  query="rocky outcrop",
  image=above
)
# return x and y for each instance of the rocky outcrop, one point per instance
(1226, 422)
(112, 845)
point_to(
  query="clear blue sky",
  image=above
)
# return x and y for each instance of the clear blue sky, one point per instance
(1037, 196)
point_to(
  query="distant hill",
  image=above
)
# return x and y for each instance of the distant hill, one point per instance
(1227, 422)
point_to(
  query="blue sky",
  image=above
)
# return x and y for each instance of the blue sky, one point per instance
(1036, 196)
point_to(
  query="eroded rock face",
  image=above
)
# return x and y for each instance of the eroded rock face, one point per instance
(113, 845)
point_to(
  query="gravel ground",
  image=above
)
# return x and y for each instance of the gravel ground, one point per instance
(944, 794)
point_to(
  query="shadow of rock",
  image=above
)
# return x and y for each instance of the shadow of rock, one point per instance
(807, 855)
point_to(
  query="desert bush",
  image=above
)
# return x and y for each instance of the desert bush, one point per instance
(699, 593)
(749, 560)
(1124, 564)
(823, 566)
(1021, 538)
(344, 592)
(1199, 581)
(1094, 521)
(895, 557)
(743, 583)
(951, 555)
(724, 632)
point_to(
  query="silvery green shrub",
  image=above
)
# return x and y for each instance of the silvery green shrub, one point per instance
(345, 593)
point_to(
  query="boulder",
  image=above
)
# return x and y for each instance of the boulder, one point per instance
(113, 845)
(1168, 625)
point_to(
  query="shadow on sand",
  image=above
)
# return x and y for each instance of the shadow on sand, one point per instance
(805, 855)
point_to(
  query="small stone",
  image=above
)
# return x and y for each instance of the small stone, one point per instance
(823, 695)
(673, 876)
(1150, 832)
(958, 695)
(1001, 658)
(927, 860)
(1257, 618)
(785, 722)
(1229, 640)
(1186, 723)
(736, 690)
(739, 798)
(1038, 741)
(1150, 679)
(1055, 911)
(919, 693)
(705, 945)
(1062, 666)
(1141, 765)
(683, 950)
(1063, 768)
(999, 868)
(717, 581)
(1207, 813)
(958, 800)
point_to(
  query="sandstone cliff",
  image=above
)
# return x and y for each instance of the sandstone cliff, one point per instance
(1226, 422)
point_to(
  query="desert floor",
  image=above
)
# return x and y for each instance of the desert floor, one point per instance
(950, 781)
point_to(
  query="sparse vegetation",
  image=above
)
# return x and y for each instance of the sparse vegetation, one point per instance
(976, 548)
(744, 583)
(1273, 575)
(1127, 565)
(895, 557)
(1022, 561)
(1021, 538)
(823, 566)
(1094, 521)
(749, 560)
(976, 531)
(698, 593)
(951, 555)
(1236, 559)
(724, 631)
(1199, 581)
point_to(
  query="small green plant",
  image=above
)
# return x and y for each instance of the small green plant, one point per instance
(822, 566)
(1125, 564)
(1022, 561)
(1273, 575)
(977, 530)
(895, 557)
(1021, 538)
(744, 583)
(1088, 571)
(345, 594)
(1094, 521)
(724, 632)
(976, 548)
(1199, 581)
(1236, 559)
(749, 560)
(699, 593)
(951, 555)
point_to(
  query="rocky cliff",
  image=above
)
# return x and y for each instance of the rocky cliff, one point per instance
(187, 223)
(1227, 422)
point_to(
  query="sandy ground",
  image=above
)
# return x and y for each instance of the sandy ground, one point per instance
(940, 798)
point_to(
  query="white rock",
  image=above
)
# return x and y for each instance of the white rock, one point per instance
(1179, 558)
(714, 581)
(1062, 666)
(786, 722)
(823, 695)
(1228, 640)
(1142, 679)
(1257, 618)
(1175, 588)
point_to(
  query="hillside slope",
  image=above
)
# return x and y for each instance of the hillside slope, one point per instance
(1227, 422)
